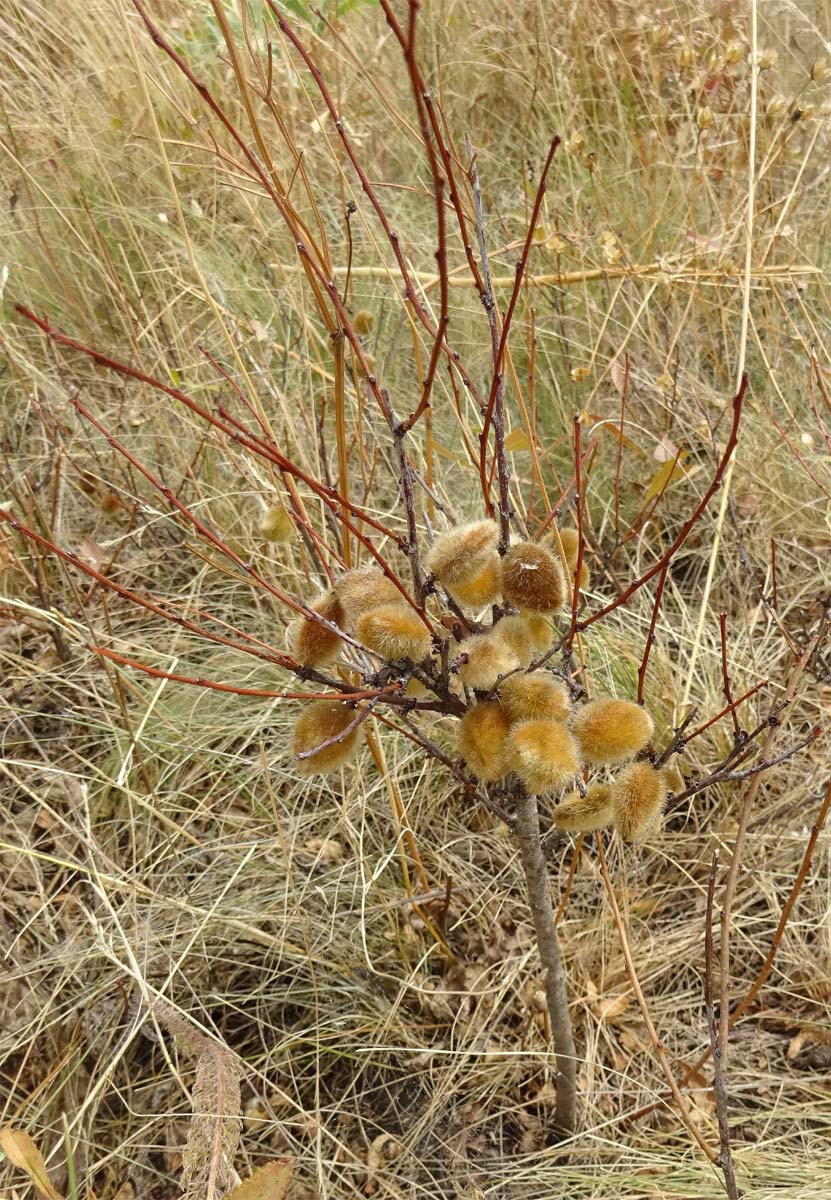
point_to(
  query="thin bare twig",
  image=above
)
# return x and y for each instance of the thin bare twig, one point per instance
(725, 1155)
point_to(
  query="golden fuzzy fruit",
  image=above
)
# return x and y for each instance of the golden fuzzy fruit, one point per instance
(638, 800)
(487, 658)
(277, 525)
(571, 541)
(673, 776)
(483, 741)
(363, 322)
(459, 554)
(319, 721)
(527, 633)
(543, 754)
(533, 578)
(394, 631)
(363, 589)
(535, 697)
(313, 644)
(480, 589)
(583, 814)
(611, 731)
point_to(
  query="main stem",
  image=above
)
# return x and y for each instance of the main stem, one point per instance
(527, 834)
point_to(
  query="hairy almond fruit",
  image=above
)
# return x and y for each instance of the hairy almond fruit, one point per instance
(534, 697)
(611, 731)
(483, 741)
(583, 814)
(363, 589)
(484, 659)
(638, 798)
(533, 578)
(319, 722)
(459, 554)
(395, 631)
(483, 588)
(313, 644)
(543, 754)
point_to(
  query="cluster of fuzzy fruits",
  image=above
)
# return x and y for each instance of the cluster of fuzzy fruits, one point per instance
(519, 721)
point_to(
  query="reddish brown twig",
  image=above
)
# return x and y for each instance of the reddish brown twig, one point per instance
(725, 674)
(493, 409)
(650, 637)
(623, 391)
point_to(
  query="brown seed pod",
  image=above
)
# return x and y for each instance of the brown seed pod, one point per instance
(583, 814)
(535, 697)
(395, 631)
(543, 754)
(529, 634)
(487, 658)
(638, 799)
(363, 322)
(363, 589)
(611, 731)
(320, 721)
(483, 741)
(481, 589)
(461, 553)
(533, 578)
(312, 644)
(277, 525)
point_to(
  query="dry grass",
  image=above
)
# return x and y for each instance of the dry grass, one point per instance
(155, 844)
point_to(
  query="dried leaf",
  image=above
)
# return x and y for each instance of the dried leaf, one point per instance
(267, 1183)
(22, 1151)
(663, 478)
(665, 450)
(90, 552)
(617, 374)
(613, 430)
(613, 1007)
(516, 440)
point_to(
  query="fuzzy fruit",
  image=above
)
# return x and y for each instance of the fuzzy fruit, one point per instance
(534, 697)
(312, 644)
(458, 555)
(480, 589)
(533, 578)
(318, 723)
(485, 659)
(583, 814)
(483, 741)
(544, 755)
(611, 731)
(529, 634)
(395, 631)
(571, 541)
(638, 798)
(277, 525)
(363, 589)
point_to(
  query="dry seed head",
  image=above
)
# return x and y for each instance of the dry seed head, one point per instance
(320, 721)
(767, 59)
(584, 814)
(480, 589)
(277, 525)
(363, 589)
(363, 321)
(394, 631)
(611, 731)
(527, 633)
(488, 657)
(533, 578)
(312, 644)
(638, 798)
(483, 741)
(704, 117)
(535, 697)
(461, 553)
(820, 70)
(543, 754)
